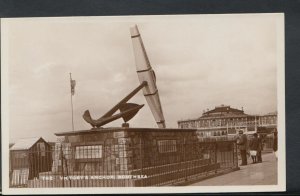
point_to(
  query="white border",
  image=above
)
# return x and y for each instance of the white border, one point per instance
(174, 189)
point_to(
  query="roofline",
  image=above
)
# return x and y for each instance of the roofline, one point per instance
(214, 117)
(114, 129)
(38, 141)
(31, 145)
(217, 117)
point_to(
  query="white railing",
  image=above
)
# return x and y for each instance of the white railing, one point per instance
(228, 125)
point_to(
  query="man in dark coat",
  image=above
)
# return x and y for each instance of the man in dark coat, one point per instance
(259, 149)
(254, 147)
(275, 143)
(242, 144)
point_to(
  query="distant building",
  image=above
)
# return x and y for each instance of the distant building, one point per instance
(268, 120)
(224, 120)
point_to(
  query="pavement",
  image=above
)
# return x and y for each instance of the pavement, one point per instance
(264, 173)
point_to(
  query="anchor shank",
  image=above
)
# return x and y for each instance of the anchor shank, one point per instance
(124, 100)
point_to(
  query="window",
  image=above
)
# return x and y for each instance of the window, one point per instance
(166, 146)
(88, 152)
(41, 148)
(231, 131)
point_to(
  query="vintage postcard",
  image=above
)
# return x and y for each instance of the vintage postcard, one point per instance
(143, 104)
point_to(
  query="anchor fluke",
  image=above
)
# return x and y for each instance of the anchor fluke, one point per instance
(127, 110)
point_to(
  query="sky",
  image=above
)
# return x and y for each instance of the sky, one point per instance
(200, 61)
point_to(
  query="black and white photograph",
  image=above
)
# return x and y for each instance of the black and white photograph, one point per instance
(143, 104)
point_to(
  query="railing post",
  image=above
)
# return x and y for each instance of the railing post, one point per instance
(66, 163)
(141, 158)
(236, 154)
(62, 166)
(11, 168)
(184, 158)
(216, 154)
(233, 149)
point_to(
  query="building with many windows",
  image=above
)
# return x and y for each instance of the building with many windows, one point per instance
(225, 120)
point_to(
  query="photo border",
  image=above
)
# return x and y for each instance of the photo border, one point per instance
(191, 189)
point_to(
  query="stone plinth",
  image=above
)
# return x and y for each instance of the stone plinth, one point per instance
(124, 149)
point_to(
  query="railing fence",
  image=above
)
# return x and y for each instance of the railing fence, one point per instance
(117, 165)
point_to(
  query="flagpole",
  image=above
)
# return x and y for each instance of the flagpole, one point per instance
(72, 101)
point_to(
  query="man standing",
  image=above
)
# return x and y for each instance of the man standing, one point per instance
(260, 148)
(242, 144)
(275, 143)
(254, 148)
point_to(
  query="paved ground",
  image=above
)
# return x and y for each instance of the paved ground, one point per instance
(264, 173)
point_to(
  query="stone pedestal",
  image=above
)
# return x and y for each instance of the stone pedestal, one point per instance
(123, 149)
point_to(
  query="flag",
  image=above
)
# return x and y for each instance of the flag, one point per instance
(73, 83)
